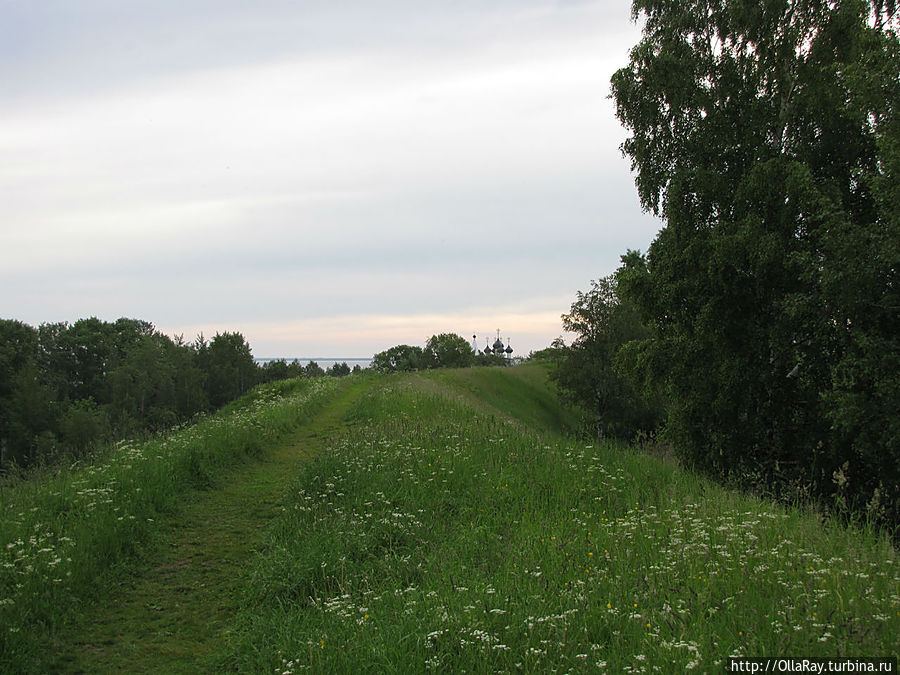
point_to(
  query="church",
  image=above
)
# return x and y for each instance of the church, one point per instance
(497, 349)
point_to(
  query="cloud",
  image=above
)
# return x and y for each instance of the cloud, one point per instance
(227, 165)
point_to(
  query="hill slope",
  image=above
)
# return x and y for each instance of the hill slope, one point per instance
(441, 520)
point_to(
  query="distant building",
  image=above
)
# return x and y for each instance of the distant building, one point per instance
(496, 349)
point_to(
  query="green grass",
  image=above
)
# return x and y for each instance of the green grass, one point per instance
(176, 609)
(66, 537)
(434, 535)
(522, 394)
(441, 521)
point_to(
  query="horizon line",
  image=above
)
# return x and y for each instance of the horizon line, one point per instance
(313, 358)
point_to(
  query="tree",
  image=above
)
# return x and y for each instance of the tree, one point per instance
(231, 369)
(189, 380)
(274, 370)
(554, 353)
(399, 358)
(83, 426)
(142, 384)
(18, 352)
(338, 370)
(71, 386)
(489, 359)
(279, 369)
(448, 350)
(29, 413)
(313, 369)
(587, 372)
(767, 137)
(18, 346)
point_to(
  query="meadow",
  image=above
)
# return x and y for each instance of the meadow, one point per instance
(451, 524)
(66, 533)
(439, 535)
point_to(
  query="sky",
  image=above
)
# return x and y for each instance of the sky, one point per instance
(329, 178)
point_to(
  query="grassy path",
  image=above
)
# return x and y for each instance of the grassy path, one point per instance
(438, 533)
(177, 610)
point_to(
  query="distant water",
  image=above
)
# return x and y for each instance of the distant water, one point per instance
(325, 364)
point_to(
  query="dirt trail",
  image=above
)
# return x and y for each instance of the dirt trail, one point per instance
(177, 610)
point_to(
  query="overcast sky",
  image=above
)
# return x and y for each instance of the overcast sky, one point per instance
(330, 178)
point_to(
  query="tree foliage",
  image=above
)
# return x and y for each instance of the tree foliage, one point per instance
(590, 372)
(65, 388)
(338, 370)
(766, 134)
(313, 369)
(230, 368)
(448, 350)
(280, 369)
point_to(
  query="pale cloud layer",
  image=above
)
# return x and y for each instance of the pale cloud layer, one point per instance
(330, 179)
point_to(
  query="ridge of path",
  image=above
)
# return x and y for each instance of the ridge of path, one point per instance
(175, 613)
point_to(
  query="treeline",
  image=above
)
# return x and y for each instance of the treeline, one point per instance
(64, 388)
(761, 331)
(447, 350)
(281, 369)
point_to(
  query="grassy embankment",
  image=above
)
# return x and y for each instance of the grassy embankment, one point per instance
(68, 537)
(439, 534)
(450, 526)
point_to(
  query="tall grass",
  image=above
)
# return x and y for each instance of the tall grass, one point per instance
(435, 535)
(441, 531)
(61, 535)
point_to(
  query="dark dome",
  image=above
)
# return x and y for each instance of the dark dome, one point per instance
(498, 346)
